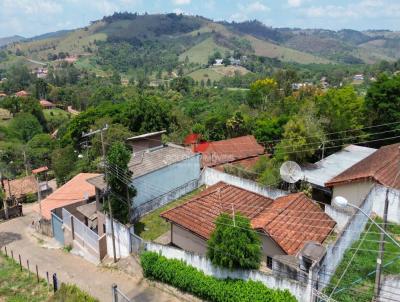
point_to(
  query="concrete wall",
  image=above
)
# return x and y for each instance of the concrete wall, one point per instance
(162, 181)
(301, 291)
(122, 239)
(191, 242)
(390, 290)
(188, 241)
(354, 192)
(350, 233)
(394, 203)
(211, 176)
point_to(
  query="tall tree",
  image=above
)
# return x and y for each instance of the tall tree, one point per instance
(118, 177)
(234, 244)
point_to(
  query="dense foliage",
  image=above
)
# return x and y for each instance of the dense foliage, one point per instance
(189, 279)
(234, 244)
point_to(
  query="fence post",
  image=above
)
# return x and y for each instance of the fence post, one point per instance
(55, 282)
(27, 264)
(12, 254)
(114, 293)
(47, 277)
(72, 227)
(20, 262)
(5, 249)
(37, 274)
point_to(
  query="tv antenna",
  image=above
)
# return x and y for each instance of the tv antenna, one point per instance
(291, 172)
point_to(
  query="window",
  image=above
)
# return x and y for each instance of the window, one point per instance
(269, 262)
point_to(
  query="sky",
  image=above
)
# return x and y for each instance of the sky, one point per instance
(33, 17)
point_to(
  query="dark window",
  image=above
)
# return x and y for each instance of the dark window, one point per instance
(104, 228)
(269, 262)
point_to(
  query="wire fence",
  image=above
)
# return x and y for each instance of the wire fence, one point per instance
(32, 269)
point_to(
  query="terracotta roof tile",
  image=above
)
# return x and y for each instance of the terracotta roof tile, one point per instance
(382, 166)
(290, 221)
(21, 187)
(77, 189)
(216, 153)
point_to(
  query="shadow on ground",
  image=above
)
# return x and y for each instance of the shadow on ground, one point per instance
(8, 237)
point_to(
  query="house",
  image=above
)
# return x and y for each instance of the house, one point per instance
(74, 193)
(358, 77)
(235, 62)
(284, 224)
(219, 62)
(45, 104)
(160, 172)
(72, 111)
(22, 188)
(22, 94)
(376, 173)
(229, 150)
(2, 95)
(317, 174)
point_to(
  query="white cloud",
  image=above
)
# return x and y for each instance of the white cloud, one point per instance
(181, 2)
(178, 11)
(361, 9)
(256, 7)
(295, 3)
(31, 7)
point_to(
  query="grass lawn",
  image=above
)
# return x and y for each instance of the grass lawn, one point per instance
(363, 263)
(152, 226)
(17, 286)
(200, 52)
(55, 117)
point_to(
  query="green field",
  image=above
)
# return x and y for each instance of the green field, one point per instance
(200, 53)
(152, 226)
(55, 117)
(363, 263)
(216, 73)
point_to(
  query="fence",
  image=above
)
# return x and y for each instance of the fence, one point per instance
(57, 228)
(301, 291)
(118, 296)
(29, 266)
(91, 244)
(122, 235)
(13, 211)
(161, 200)
(211, 176)
(394, 203)
(350, 233)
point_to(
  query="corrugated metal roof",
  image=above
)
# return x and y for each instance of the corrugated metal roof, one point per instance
(331, 166)
(142, 163)
(146, 135)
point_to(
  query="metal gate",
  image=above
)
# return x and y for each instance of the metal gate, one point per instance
(58, 232)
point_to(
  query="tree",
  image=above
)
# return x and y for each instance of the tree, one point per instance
(26, 126)
(118, 176)
(234, 244)
(39, 150)
(383, 100)
(63, 163)
(262, 93)
(341, 109)
(41, 89)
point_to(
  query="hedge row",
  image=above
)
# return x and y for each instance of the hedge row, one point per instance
(189, 279)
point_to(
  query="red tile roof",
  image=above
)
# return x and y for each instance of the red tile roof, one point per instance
(382, 167)
(22, 93)
(290, 221)
(77, 189)
(230, 150)
(21, 187)
(192, 138)
(247, 163)
(46, 103)
(40, 170)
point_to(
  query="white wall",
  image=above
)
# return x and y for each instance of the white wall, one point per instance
(394, 203)
(211, 176)
(122, 239)
(354, 192)
(301, 291)
(390, 290)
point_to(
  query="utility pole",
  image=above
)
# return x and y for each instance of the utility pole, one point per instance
(379, 260)
(25, 163)
(5, 205)
(103, 150)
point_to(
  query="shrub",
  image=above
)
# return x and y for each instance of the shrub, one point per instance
(188, 279)
(71, 293)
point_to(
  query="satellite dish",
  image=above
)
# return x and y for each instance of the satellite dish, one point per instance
(291, 172)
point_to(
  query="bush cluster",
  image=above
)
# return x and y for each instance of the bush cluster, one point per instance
(188, 279)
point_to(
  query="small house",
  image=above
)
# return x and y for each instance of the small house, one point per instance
(284, 225)
(45, 104)
(22, 94)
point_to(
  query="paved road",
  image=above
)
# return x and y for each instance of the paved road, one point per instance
(18, 236)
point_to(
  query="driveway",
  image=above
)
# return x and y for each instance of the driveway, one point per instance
(17, 234)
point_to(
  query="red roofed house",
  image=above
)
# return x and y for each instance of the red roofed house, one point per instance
(229, 150)
(375, 173)
(22, 93)
(21, 188)
(284, 224)
(72, 194)
(45, 104)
